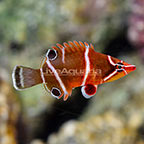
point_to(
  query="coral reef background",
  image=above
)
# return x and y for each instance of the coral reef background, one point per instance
(114, 115)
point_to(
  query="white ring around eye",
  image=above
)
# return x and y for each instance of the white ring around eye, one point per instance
(53, 57)
(54, 88)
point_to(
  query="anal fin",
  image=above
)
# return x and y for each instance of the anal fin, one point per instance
(89, 90)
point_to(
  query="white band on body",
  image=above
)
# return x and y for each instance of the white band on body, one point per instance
(125, 71)
(87, 67)
(110, 75)
(110, 60)
(42, 75)
(57, 76)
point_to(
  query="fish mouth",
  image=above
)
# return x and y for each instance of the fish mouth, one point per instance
(130, 68)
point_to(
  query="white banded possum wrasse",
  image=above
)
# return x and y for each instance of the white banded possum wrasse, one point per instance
(73, 64)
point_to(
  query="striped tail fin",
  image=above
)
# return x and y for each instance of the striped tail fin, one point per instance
(24, 77)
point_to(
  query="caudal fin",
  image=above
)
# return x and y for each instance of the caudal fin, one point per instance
(24, 77)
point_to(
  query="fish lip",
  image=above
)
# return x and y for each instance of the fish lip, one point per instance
(133, 67)
(130, 68)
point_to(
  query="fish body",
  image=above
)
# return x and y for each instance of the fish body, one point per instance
(71, 65)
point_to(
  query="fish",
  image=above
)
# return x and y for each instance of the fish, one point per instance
(73, 64)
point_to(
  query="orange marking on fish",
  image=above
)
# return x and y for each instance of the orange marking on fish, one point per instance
(78, 46)
(73, 47)
(54, 47)
(60, 46)
(68, 48)
(91, 46)
(82, 45)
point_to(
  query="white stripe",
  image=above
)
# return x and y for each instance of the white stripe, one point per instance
(87, 61)
(130, 66)
(41, 71)
(14, 80)
(63, 55)
(42, 75)
(110, 60)
(57, 76)
(110, 75)
(21, 77)
(125, 71)
(43, 79)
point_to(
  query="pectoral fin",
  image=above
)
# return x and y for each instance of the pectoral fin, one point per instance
(89, 90)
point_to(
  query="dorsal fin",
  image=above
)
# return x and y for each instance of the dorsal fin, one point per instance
(72, 46)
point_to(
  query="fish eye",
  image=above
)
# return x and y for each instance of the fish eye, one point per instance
(55, 92)
(51, 54)
(119, 66)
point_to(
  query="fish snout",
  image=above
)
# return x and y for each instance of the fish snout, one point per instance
(130, 68)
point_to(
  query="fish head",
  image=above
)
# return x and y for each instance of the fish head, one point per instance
(119, 69)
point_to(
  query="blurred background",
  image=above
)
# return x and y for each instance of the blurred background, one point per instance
(115, 115)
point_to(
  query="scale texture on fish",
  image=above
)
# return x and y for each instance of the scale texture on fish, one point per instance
(73, 64)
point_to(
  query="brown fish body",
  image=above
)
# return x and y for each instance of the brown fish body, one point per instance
(72, 71)
(69, 66)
